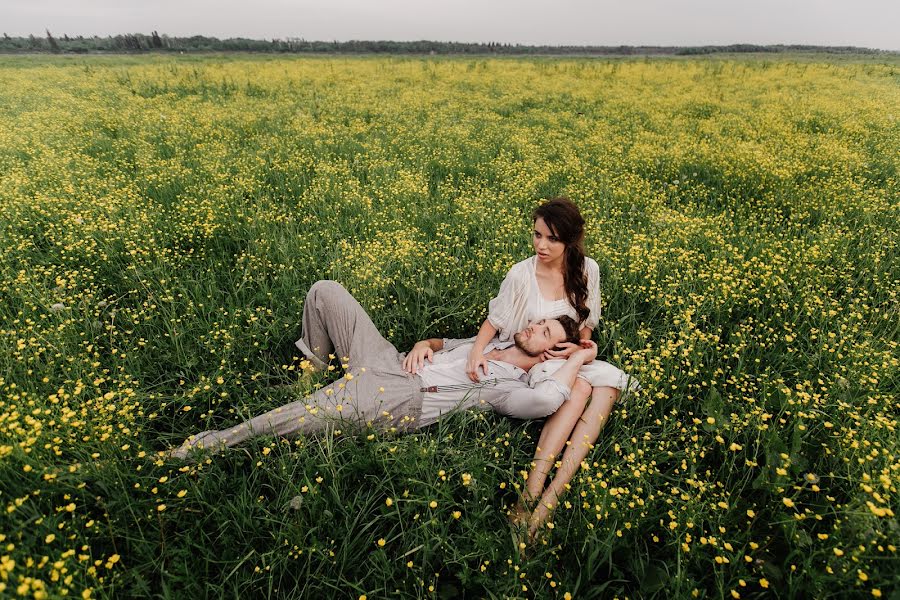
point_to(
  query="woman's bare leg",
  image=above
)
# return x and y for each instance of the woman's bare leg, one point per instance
(553, 438)
(582, 441)
(555, 433)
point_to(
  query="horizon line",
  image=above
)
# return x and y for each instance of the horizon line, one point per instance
(437, 41)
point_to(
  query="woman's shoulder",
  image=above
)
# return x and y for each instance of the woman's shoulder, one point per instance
(522, 268)
(590, 266)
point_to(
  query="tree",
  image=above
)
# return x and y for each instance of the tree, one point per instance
(54, 47)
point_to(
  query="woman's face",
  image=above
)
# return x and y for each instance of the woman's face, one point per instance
(548, 248)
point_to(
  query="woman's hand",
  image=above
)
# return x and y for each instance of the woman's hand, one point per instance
(566, 349)
(476, 359)
(416, 358)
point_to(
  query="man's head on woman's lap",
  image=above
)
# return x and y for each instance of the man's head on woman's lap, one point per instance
(546, 334)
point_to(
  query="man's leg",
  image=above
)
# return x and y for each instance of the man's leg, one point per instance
(333, 321)
(365, 399)
(376, 390)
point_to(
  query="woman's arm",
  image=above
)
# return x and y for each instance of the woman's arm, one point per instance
(547, 392)
(476, 354)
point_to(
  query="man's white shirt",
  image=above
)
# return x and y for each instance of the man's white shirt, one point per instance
(506, 388)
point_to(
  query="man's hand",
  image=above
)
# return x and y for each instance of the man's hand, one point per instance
(566, 349)
(416, 358)
(588, 351)
(476, 359)
(568, 373)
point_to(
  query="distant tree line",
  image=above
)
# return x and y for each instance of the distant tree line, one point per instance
(139, 42)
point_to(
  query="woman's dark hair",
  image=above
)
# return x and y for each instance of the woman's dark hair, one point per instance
(573, 331)
(564, 220)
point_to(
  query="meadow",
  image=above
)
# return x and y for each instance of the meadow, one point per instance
(161, 219)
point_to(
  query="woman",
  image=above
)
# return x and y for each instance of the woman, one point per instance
(558, 280)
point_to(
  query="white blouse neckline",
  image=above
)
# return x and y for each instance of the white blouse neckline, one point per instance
(538, 285)
(519, 299)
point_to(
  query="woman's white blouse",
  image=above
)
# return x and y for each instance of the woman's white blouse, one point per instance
(520, 301)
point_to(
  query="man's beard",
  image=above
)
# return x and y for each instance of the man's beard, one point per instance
(520, 344)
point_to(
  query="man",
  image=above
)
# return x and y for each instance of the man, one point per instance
(386, 389)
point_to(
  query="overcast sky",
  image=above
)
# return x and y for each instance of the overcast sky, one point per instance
(868, 23)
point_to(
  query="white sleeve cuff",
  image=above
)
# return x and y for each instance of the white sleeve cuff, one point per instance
(552, 386)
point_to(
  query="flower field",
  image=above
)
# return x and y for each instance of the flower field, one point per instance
(162, 217)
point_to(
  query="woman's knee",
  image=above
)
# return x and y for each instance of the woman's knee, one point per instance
(581, 388)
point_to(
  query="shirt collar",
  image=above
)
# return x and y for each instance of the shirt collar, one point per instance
(498, 345)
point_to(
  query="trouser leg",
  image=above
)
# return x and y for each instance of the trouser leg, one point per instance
(334, 322)
(365, 398)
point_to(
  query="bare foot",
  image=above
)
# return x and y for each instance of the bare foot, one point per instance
(519, 515)
(184, 451)
(539, 517)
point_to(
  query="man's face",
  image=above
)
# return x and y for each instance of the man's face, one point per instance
(539, 337)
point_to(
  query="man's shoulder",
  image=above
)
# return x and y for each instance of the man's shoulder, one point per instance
(453, 343)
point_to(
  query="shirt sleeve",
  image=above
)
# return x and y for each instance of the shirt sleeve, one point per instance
(535, 402)
(453, 343)
(501, 310)
(593, 299)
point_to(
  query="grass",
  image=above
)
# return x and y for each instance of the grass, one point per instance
(163, 217)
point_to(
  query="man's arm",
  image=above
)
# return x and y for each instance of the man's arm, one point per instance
(568, 348)
(548, 394)
(422, 351)
(567, 373)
